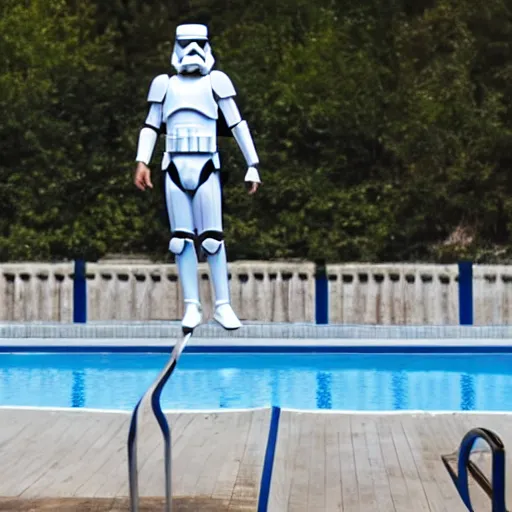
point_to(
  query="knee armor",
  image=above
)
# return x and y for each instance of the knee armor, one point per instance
(211, 241)
(178, 240)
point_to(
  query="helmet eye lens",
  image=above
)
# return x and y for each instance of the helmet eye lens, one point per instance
(185, 42)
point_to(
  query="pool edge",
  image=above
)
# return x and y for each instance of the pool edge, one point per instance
(422, 346)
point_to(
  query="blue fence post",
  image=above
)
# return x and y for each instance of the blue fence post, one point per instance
(466, 293)
(79, 293)
(321, 294)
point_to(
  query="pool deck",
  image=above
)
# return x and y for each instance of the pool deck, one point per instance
(77, 460)
(160, 336)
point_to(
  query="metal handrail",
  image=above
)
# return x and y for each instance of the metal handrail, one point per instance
(495, 487)
(153, 393)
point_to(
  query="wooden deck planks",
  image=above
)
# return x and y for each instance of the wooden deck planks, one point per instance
(368, 499)
(397, 483)
(251, 464)
(387, 463)
(284, 459)
(347, 458)
(380, 478)
(64, 462)
(216, 457)
(301, 469)
(333, 490)
(35, 441)
(428, 463)
(324, 462)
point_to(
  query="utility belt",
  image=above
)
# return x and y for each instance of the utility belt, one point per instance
(190, 143)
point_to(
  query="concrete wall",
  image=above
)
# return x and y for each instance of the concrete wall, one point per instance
(393, 294)
(269, 292)
(277, 292)
(492, 293)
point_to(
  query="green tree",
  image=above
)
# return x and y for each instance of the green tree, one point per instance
(383, 126)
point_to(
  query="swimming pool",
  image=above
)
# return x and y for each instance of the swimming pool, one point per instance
(366, 382)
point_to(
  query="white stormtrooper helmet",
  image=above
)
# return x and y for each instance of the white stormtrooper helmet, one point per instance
(192, 52)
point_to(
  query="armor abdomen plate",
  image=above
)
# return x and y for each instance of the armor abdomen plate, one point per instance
(190, 113)
(189, 131)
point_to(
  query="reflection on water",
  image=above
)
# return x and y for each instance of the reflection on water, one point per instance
(467, 392)
(399, 386)
(323, 390)
(304, 381)
(78, 389)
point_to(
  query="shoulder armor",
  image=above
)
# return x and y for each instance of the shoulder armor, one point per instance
(222, 85)
(158, 88)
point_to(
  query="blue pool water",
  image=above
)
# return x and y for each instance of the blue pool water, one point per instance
(302, 381)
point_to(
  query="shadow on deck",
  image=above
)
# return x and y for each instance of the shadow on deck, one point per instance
(180, 504)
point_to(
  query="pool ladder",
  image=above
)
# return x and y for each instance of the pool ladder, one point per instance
(153, 394)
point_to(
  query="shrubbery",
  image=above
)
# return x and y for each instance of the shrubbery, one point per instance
(383, 127)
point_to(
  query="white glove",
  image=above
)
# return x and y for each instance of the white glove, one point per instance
(252, 175)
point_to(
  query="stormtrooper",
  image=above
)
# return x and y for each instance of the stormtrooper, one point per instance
(188, 108)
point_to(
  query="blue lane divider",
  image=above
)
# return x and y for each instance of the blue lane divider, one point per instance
(268, 465)
(466, 293)
(79, 293)
(321, 294)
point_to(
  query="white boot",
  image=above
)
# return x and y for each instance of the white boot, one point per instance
(186, 260)
(193, 315)
(216, 255)
(226, 317)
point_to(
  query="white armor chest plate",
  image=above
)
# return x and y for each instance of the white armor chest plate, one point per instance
(190, 93)
(190, 113)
